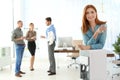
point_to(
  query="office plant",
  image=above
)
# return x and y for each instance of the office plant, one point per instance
(116, 46)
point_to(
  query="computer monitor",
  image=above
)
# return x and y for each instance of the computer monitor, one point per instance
(65, 42)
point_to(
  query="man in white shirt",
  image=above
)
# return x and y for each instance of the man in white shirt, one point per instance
(51, 38)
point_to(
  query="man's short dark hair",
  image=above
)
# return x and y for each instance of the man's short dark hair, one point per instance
(19, 21)
(48, 19)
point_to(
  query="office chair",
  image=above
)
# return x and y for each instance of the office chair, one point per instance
(115, 69)
(74, 56)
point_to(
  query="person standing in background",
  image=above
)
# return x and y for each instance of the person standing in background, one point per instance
(51, 38)
(31, 37)
(18, 39)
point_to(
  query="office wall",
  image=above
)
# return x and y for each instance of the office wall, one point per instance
(5, 22)
(66, 15)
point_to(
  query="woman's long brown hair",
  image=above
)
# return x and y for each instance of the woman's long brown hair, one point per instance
(85, 22)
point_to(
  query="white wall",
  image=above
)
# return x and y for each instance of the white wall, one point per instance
(65, 14)
(5, 22)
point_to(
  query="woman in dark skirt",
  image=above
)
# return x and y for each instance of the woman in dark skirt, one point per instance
(31, 37)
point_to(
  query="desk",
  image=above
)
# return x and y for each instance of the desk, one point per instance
(65, 51)
(97, 64)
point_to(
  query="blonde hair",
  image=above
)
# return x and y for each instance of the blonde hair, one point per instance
(31, 24)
